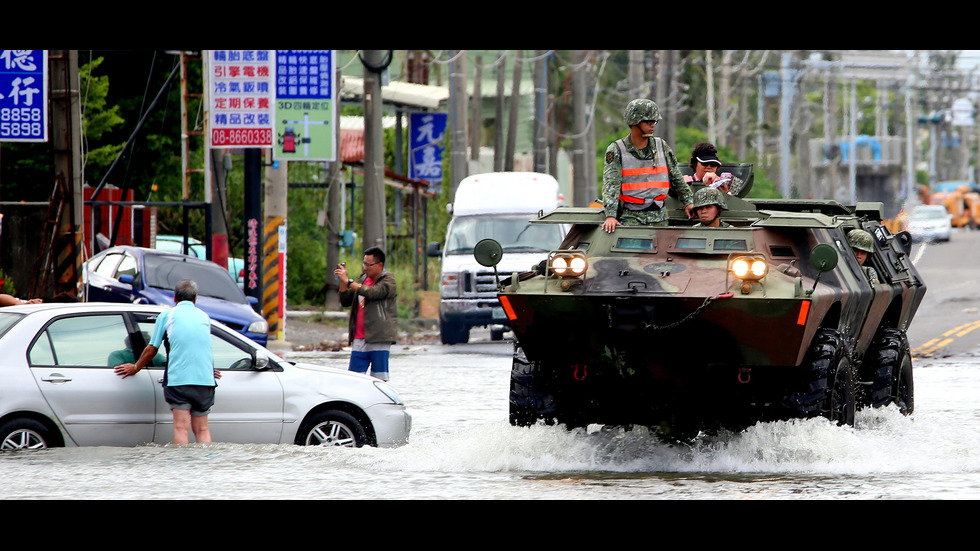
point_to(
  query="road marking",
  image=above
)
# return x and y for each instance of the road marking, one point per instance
(935, 344)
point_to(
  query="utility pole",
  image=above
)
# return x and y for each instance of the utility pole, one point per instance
(636, 79)
(374, 193)
(276, 209)
(334, 192)
(498, 134)
(476, 120)
(580, 177)
(66, 140)
(458, 99)
(540, 111)
(786, 96)
(515, 104)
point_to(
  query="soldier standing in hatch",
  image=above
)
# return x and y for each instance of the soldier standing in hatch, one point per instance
(862, 243)
(639, 171)
(708, 204)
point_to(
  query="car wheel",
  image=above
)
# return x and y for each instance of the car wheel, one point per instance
(333, 428)
(24, 434)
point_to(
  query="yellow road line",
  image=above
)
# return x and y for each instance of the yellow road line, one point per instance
(935, 344)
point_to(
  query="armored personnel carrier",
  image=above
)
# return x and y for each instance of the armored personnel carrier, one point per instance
(685, 329)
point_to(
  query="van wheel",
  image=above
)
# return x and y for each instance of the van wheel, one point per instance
(453, 333)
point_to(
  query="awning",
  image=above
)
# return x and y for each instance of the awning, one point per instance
(420, 96)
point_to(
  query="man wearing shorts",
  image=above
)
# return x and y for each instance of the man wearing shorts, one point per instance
(189, 379)
(373, 322)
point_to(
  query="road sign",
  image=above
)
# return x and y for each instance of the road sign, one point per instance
(23, 95)
(427, 143)
(306, 106)
(240, 88)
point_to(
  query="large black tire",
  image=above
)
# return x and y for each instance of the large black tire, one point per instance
(825, 385)
(453, 333)
(842, 398)
(332, 428)
(531, 396)
(26, 434)
(890, 372)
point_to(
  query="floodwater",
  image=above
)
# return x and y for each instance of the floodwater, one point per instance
(462, 447)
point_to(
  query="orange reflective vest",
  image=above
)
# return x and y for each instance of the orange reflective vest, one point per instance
(645, 182)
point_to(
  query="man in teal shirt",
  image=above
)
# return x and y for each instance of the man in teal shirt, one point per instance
(189, 379)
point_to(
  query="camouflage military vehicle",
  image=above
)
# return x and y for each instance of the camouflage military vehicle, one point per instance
(685, 328)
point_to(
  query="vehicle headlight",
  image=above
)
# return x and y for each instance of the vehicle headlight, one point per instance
(388, 391)
(258, 327)
(450, 284)
(567, 264)
(749, 267)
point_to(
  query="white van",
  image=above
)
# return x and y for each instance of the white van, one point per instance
(497, 205)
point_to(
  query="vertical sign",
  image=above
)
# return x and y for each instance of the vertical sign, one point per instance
(282, 282)
(23, 95)
(306, 105)
(427, 143)
(241, 95)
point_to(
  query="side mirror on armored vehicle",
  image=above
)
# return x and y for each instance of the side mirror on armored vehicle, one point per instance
(488, 253)
(905, 240)
(824, 258)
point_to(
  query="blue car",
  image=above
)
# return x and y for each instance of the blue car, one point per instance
(148, 276)
(175, 244)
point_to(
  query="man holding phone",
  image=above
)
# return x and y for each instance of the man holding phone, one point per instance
(373, 322)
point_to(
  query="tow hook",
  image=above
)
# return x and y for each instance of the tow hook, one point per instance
(744, 374)
(584, 372)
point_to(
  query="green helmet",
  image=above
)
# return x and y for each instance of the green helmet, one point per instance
(861, 240)
(641, 110)
(710, 196)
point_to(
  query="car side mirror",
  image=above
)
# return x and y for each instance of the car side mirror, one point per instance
(260, 362)
(433, 250)
(128, 279)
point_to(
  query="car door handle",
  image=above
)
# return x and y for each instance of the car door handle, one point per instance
(56, 378)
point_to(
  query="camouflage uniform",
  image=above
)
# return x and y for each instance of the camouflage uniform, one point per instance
(612, 176)
(862, 241)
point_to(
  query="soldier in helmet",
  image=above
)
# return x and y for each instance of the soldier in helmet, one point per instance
(640, 169)
(863, 245)
(708, 204)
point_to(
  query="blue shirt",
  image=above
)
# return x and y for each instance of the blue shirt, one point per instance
(188, 332)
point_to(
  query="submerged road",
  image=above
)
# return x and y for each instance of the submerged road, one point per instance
(948, 320)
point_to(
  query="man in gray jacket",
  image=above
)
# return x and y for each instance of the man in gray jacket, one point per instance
(373, 315)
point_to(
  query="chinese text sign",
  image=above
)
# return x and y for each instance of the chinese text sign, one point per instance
(24, 95)
(241, 92)
(306, 105)
(427, 144)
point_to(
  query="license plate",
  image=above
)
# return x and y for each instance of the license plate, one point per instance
(497, 313)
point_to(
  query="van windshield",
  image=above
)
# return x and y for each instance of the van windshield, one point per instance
(512, 231)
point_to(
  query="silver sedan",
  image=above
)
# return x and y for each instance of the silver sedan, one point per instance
(57, 387)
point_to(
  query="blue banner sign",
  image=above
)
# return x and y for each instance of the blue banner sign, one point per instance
(427, 143)
(23, 95)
